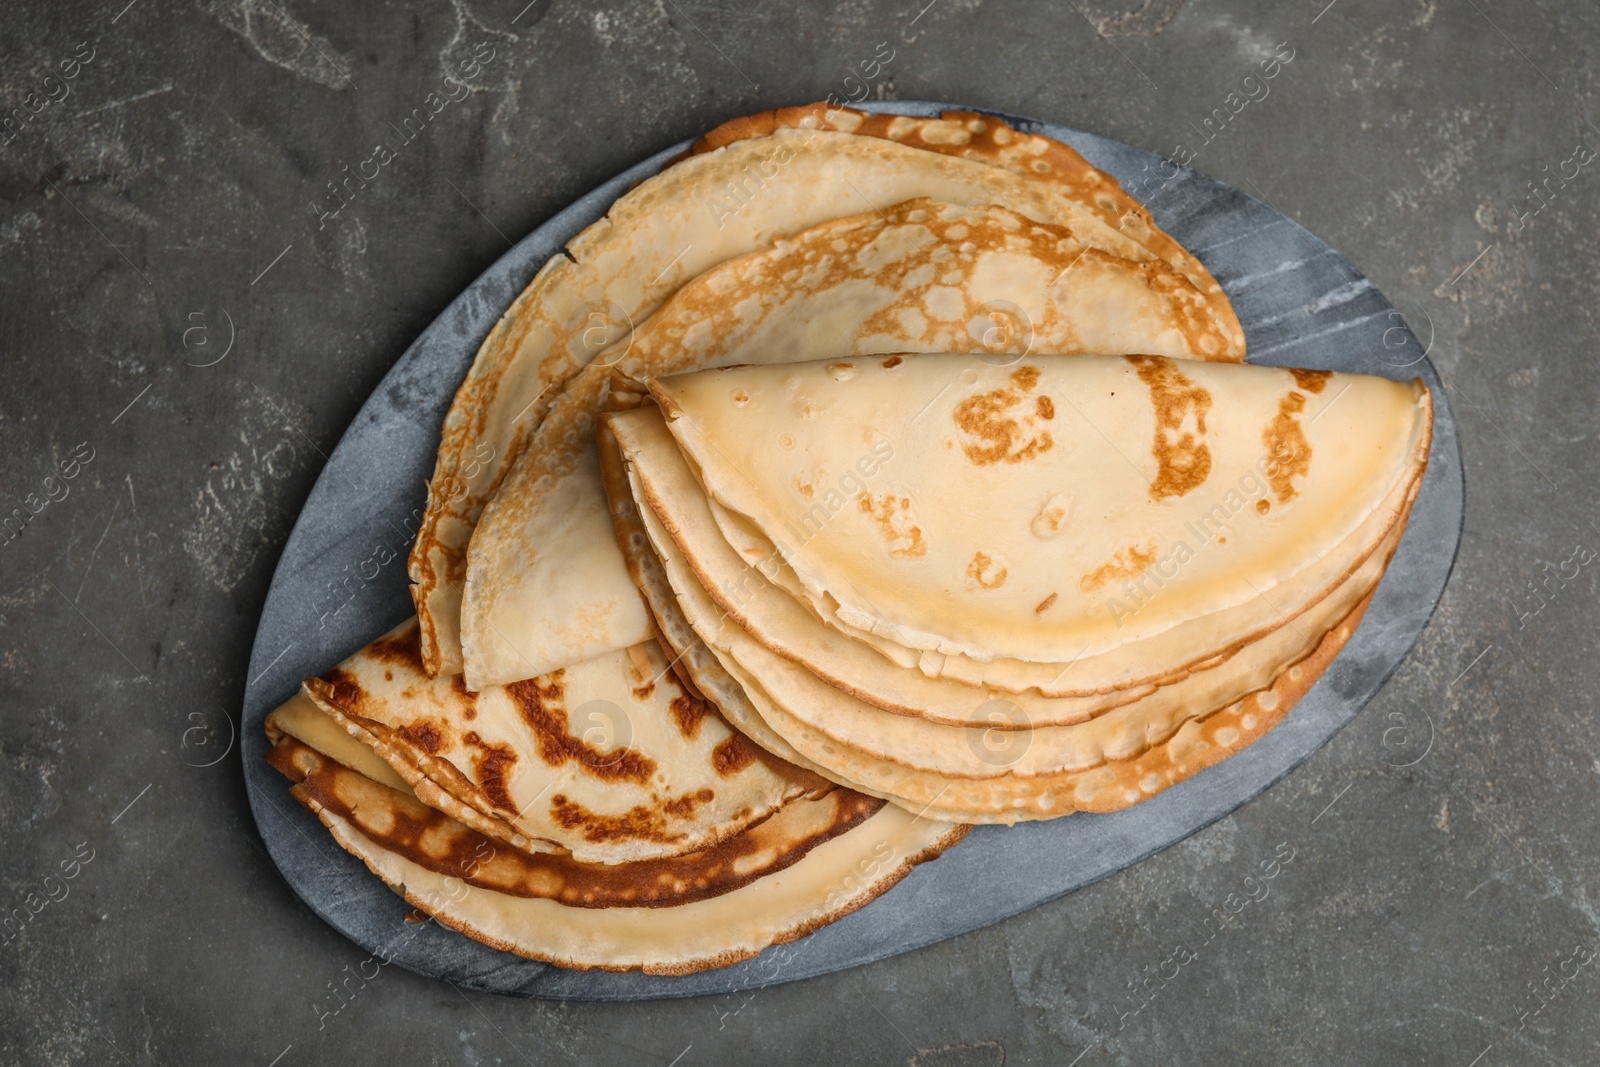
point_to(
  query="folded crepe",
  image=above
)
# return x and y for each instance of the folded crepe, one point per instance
(918, 276)
(776, 175)
(836, 704)
(813, 861)
(1111, 520)
(769, 626)
(979, 583)
(975, 136)
(610, 760)
(1201, 742)
(1009, 768)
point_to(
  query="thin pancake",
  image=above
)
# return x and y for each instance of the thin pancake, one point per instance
(986, 139)
(664, 231)
(1008, 536)
(836, 862)
(778, 623)
(1143, 769)
(1087, 685)
(916, 277)
(431, 839)
(610, 760)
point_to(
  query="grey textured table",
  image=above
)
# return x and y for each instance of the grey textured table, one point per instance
(181, 300)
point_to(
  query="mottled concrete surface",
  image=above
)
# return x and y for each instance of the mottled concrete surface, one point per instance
(1443, 846)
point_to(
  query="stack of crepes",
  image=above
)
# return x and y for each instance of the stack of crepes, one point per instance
(706, 659)
(999, 592)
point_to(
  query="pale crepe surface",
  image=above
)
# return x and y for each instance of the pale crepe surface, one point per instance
(518, 617)
(919, 565)
(1021, 776)
(1079, 688)
(779, 624)
(618, 270)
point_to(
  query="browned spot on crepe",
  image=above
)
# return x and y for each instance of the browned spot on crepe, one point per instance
(638, 823)
(493, 763)
(688, 712)
(403, 649)
(341, 688)
(731, 756)
(1288, 451)
(1129, 562)
(683, 807)
(985, 571)
(892, 362)
(427, 734)
(894, 520)
(1003, 434)
(1312, 381)
(539, 700)
(469, 699)
(1183, 460)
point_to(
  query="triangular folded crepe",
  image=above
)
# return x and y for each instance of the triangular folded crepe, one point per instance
(765, 620)
(1015, 767)
(762, 182)
(1059, 512)
(919, 276)
(815, 860)
(610, 760)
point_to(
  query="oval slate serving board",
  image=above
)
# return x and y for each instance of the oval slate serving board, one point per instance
(1301, 304)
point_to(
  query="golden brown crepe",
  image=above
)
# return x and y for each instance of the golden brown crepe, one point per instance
(610, 760)
(1011, 769)
(794, 679)
(811, 863)
(780, 179)
(920, 276)
(986, 139)
(1031, 495)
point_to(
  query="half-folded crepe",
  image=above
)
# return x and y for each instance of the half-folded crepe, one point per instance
(1088, 514)
(1010, 768)
(986, 139)
(762, 181)
(610, 760)
(768, 622)
(814, 860)
(1199, 743)
(919, 276)
(840, 706)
